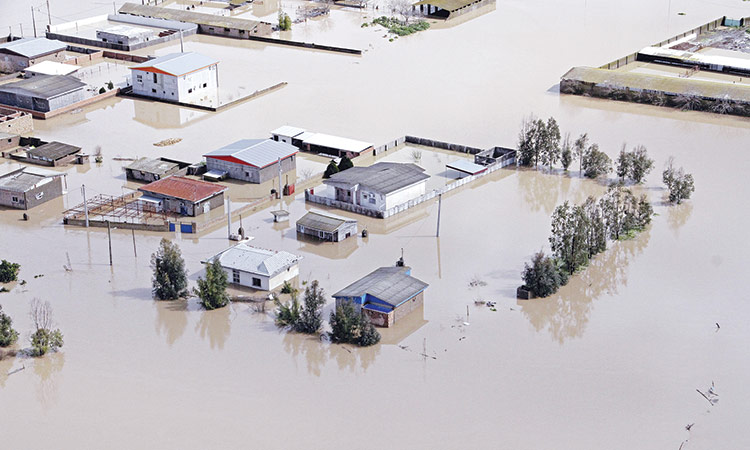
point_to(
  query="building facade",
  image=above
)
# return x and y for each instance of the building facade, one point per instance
(178, 77)
(326, 227)
(26, 188)
(185, 196)
(257, 268)
(125, 35)
(17, 122)
(252, 160)
(43, 93)
(21, 53)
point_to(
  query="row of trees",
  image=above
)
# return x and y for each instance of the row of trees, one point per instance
(347, 324)
(333, 168)
(43, 340)
(579, 232)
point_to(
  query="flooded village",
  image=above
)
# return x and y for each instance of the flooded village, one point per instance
(382, 171)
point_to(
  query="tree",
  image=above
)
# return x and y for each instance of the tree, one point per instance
(345, 163)
(680, 184)
(285, 22)
(596, 229)
(623, 212)
(8, 271)
(8, 336)
(595, 162)
(170, 277)
(544, 276)
(213, 290)
(640, 164)
(368, 335)
(353, 327)
(311, 318)
(623, 165)
(526, 141)
(331, 169)
(550, 142)
(287, 315)
(566, 153)
(44, 339)
(110, 85)
(569, 236)
(579, 150)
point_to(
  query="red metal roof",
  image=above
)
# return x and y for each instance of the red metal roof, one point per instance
(184, 188)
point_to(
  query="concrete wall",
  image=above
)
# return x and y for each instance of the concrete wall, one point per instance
(16, 63)
(410, 305)
(16, 122)
(28, 200)
(10, 142)
(404, 195)
(42, 104)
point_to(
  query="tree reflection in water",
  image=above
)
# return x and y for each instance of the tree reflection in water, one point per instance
(566, 313)
(47, 368)
(318, 351)
(216, 325)
(678, 215)
(171, 317)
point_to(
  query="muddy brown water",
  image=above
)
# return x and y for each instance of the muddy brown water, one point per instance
(612, 361)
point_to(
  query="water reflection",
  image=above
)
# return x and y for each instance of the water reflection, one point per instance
(171, 318)
(678, 215)
(216, 325)
(332, 250)
(47, 369)
(161, 115)
(566, 313)
(541, 191)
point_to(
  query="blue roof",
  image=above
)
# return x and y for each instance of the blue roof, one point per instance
(391, 285)
(376, 307)
(32, 47)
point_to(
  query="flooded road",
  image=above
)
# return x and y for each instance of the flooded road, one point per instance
(611, 361)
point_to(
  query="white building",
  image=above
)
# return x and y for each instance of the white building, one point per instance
(50, 68)
(381, 186)
(288, 134)
(257, 268)
(178, 77)
(125, 35)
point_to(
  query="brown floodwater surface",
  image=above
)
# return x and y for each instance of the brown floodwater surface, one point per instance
(613, 360)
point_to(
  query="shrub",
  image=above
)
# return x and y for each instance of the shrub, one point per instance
(544, 276)
(8, 271)
(170, 277)
(305, 318)
(351, 327)
(331, 169)
(287, 288)
(102, 90)
(287, 315)
(44, 341)
(345, 163)
(213, 290)
(110, 85)
(8, 336)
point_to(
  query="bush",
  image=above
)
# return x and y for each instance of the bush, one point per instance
(44, 341)
(345, 163)
(287, 288)
(399, 28)
(213, 290)
(351, 327)
(170, 277)
(102, 90)
(8, 271)
(8, 336)
(306, 318)
(285, 22)
(287, 315)
(110, 85)
(331, 169)
(544, 276)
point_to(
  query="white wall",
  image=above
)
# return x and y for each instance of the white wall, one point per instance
(266, 284)
(404, 195)
(186, 89)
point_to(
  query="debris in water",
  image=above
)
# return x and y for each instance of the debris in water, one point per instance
(689, 426)
(710, 395)
(166, 142)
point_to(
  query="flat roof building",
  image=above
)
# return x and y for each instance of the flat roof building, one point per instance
(152, 169)
(185, 196)
(52, 154)
(447, 9)
(335, 145)
(257, 268)
(125, 35)
(28, 187)
(253, 160)
(43, 93)
(326, 226)
(50, 68)
(288, 134)
(178, 77)
(21, 53)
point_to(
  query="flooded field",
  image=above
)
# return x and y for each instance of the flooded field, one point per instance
(611, 361)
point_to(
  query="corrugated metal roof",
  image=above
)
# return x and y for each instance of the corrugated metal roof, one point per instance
(189, 16)
(177, 64)
(336, 142)
(53, 150)
(183, 188)
(256, 152)
(23, 180)
(32, 47)
(44, 86)
(52, 68)
(255, 260)
(382, 177)
(156, 166)
(288, 131)
(323, 221)
(389, 284)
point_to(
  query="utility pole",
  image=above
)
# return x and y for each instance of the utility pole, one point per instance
(21, 25)
(182, 48)
(33, 20)
(440, 204)
(280, 192)
(109, 236)
(229, 218)
(135, 252)
(49, 16)
(85, 205)
(114, 8)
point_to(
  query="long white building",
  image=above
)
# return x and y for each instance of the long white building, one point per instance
(178, 77)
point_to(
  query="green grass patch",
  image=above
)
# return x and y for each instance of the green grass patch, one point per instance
(399, 28)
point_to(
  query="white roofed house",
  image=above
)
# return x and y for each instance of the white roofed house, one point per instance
(178, 77)
(253, 160)
(289, 134)
(21, 53)
(256, 267)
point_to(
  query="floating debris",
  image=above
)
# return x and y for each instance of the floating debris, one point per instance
(166, 142)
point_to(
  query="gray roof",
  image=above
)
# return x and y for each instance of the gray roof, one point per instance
(255, 260)
(188, 16)
(149, 165)
(32, 47)
(289, 131)
(323, 221)
(255, 152)
(177, 64)
(389, 284)
(53, 151)
(23, 180)
(44, 86)
(383, 177)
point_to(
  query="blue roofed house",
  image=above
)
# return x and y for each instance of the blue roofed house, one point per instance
(253, 160)
(385, 295)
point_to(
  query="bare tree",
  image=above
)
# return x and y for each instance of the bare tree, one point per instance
(41, 314)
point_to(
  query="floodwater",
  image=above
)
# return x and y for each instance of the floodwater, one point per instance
(612, 361)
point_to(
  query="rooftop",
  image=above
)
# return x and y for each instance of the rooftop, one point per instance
(465, 166)
(24, 179)
(255, 260)
(183, 188)
(32, 47)
(150, 165)
(176, 64)
(188, 16)
(125, 30)
(383, 177)
(52, 68)
(287, 130)
(389, 284)
(448, 5)
(258, 153)
(53, 151)
(44, 86)
(323, 221)
(690, 57)
(346, 144)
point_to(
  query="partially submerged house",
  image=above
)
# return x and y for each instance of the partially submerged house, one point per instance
(256, 267)
(52, 154)
(21, 53)
(447, 9)
(385, 295)
(380, 186)
(326, 226)
(335, 145)
(50, 68)
(14, 121)
(253, 160)
(28, 187)
(178, 77)
(8, 141)
(152, 169)
(125, 35)
(43, 93)
(183, 196)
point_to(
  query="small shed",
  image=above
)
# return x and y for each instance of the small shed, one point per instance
(257, 268)
(280, 215)
(185, 196)
(253, 160)
(152, 169)
(465, 167)
(50, 68)
(28, 187)
(288, 134)
(125, 35)
(385, 295)
(53, 154)
(326, 226)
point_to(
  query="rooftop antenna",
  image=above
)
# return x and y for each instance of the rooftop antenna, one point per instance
(49, 16)
(33, 20)
(400, 262)
(182, 48)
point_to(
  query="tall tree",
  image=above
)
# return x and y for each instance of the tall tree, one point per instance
(680, 184)
(580, 146)
(345, 163)
(543, 276)
(213, 289)
(569, 236)
(8, 336)
(170, 277)
(566, 153)
(44, 339)
(623, 165)
(641, 164)
(311, 317)
(551, 143)
(595, 162)
(331, 169)
(8, 271)
(596, 230)
(526, 141)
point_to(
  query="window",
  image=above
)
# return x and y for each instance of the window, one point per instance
(156, 80)
(256, 282)
(235, 276)
(14, 199)
(372, 200)
(139, 78)
(204, 84)
(153, 90)
(226, 30)
(190, 91)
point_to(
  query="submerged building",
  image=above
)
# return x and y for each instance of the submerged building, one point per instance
(257, 268)
(447, 9)
(326, 226)
(21, 53)
(183, 196)
(253, 160)
(178, 77)
(27, 187)
(43, 93)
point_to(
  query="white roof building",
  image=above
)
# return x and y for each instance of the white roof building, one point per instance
(257, 268)
(51, 68)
